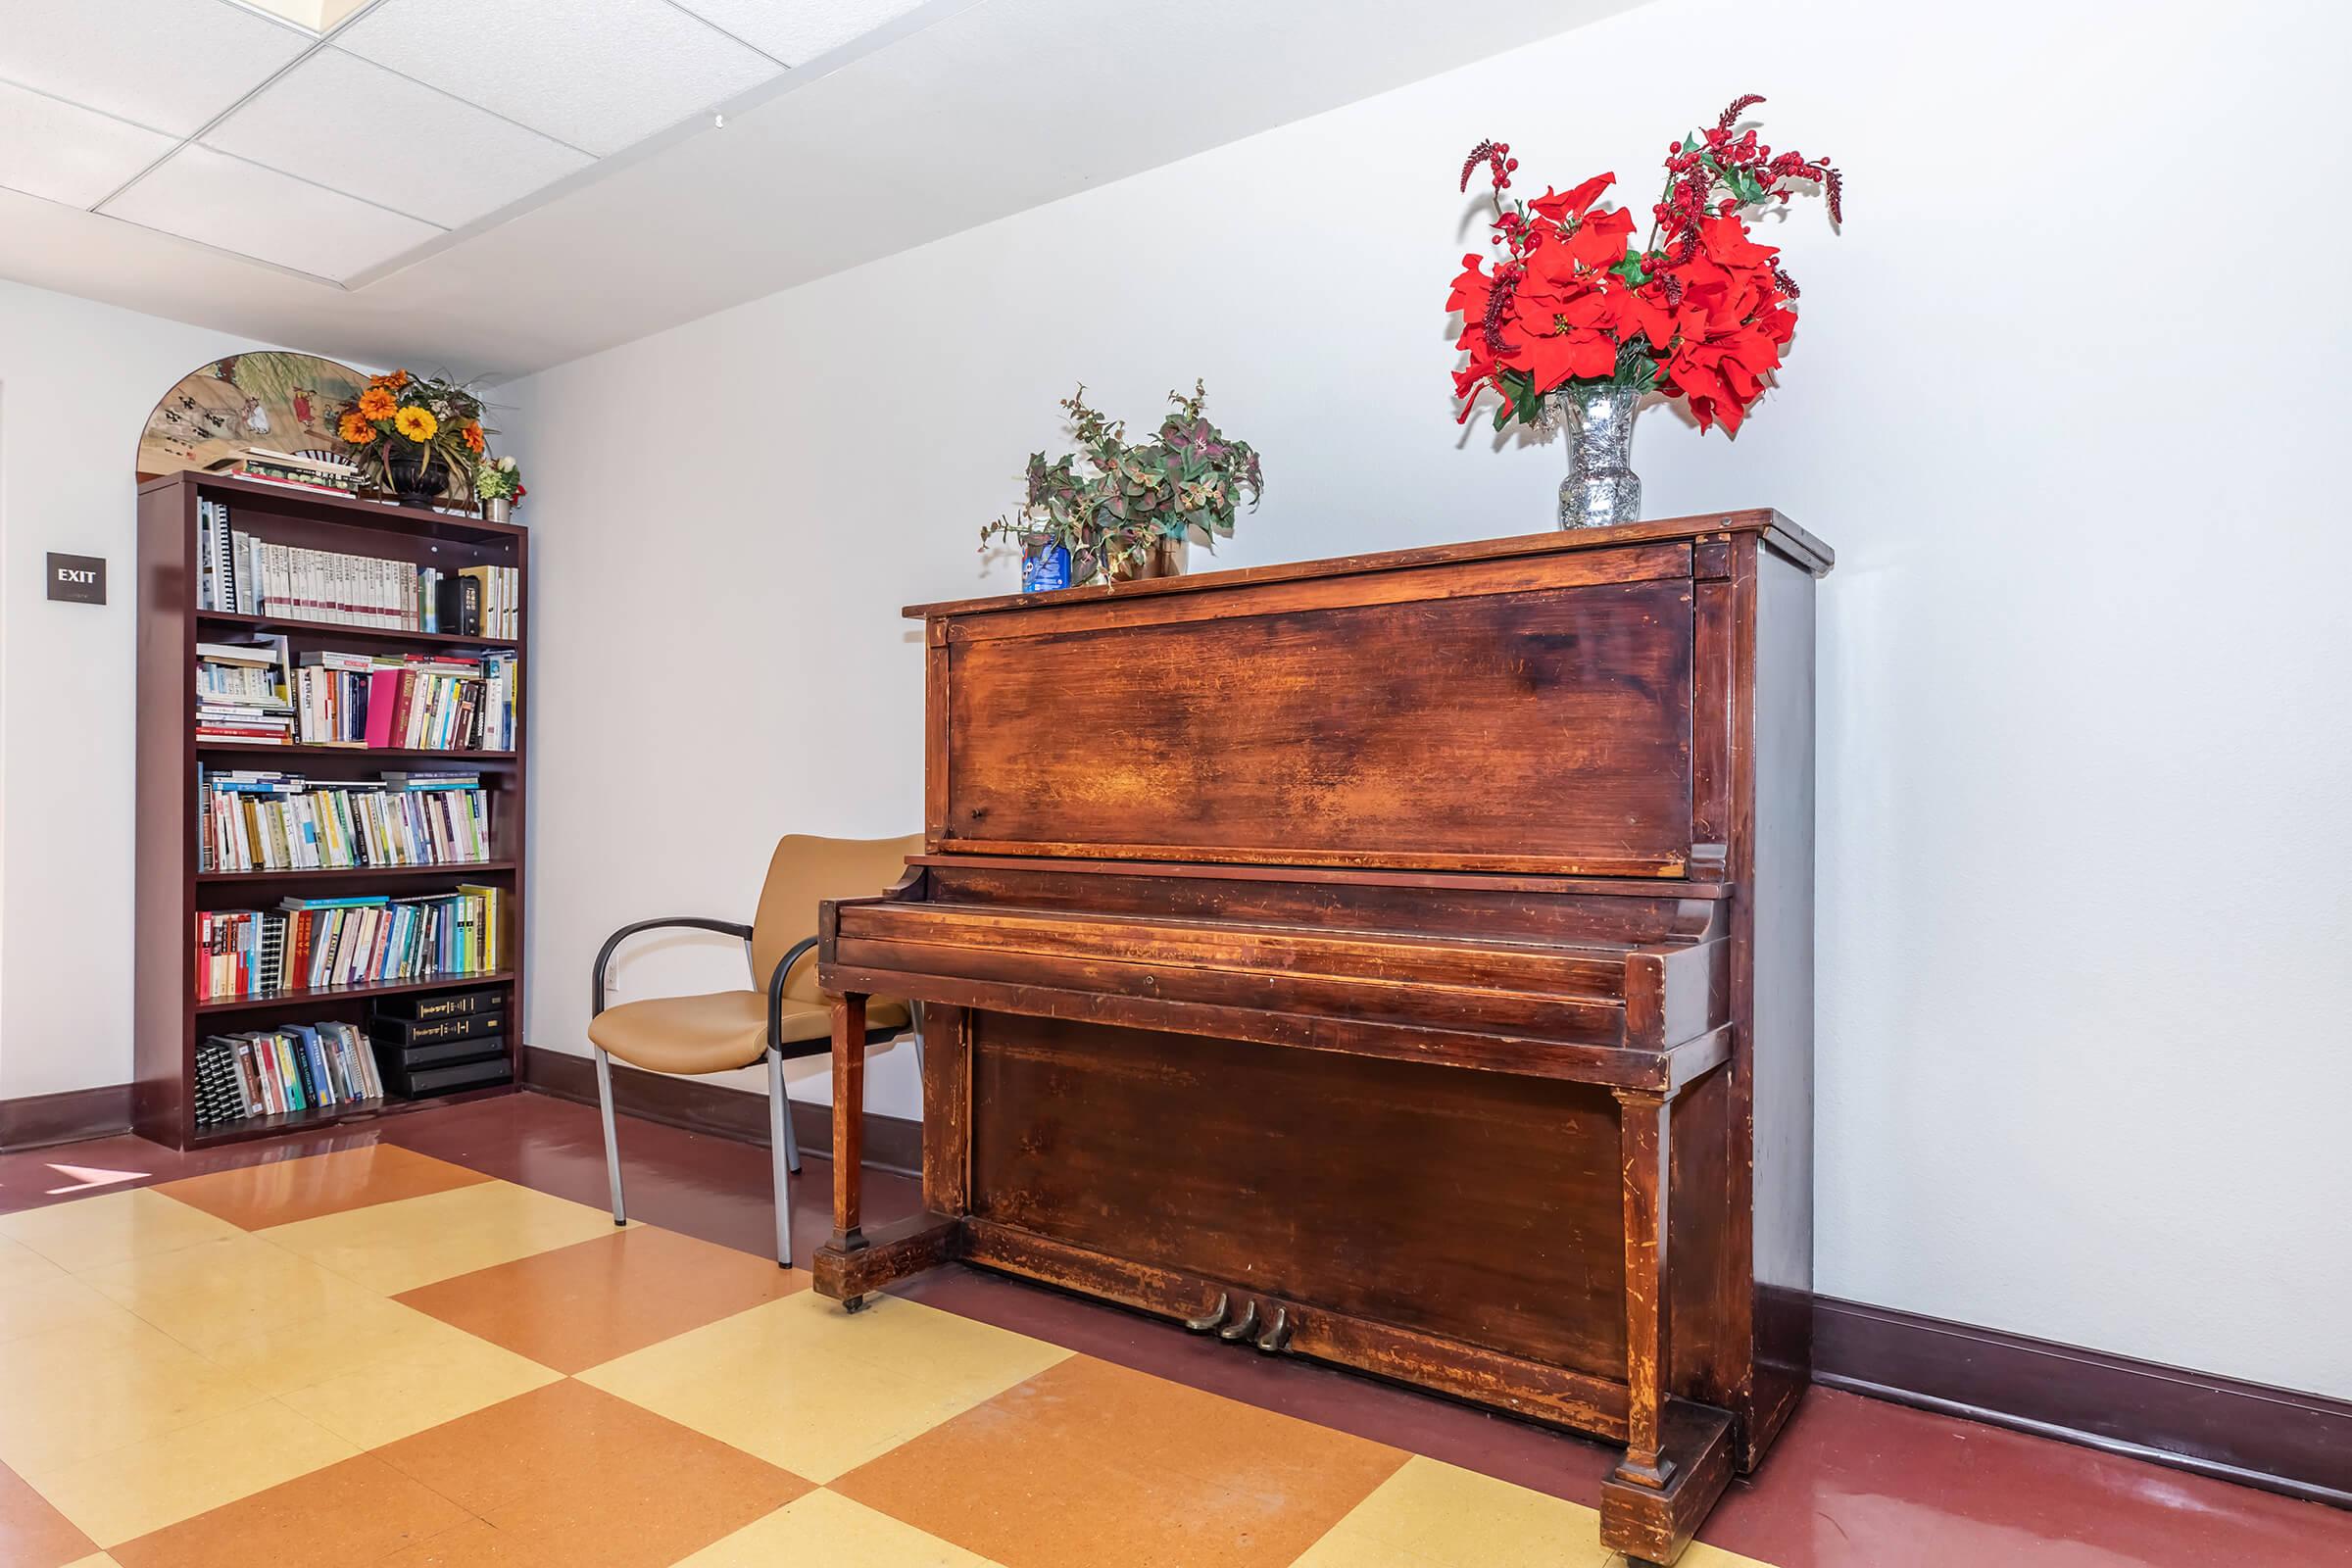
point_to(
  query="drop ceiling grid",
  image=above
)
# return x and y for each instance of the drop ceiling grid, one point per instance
(340, 121)
(409, 120)
(640, 66)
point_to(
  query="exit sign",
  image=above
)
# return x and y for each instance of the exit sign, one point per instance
(78, 579)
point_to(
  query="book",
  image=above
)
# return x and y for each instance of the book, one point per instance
(457, 1005)
(405, 1081)
(396, 1033)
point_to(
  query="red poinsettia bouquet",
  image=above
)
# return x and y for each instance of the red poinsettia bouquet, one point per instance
(1697, 310)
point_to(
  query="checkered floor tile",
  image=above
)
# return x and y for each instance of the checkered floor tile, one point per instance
(376, 1357)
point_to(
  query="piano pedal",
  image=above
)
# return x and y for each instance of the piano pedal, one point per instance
(1234, 1332)
(1277, 1337)
(1215, 1318)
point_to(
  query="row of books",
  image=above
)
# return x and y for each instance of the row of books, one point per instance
(261, 693)
(438, 1044)
(276, 1072)
(315, 943)
(436, 703)
(302, 470)
(256, 820)
(243, 574)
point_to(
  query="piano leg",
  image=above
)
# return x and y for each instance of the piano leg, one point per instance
(1646, 1151)
(1678, 1453)
(849, 1127)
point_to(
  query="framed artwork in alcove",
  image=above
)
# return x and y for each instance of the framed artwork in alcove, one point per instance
(283, 402)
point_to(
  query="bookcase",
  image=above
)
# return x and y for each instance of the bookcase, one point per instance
(173, 890)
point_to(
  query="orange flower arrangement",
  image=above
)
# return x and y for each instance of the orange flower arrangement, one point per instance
(408, 430)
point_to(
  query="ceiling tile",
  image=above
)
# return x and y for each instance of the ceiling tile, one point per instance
(223, 201)
(169, 65)
(65, 152)
(798, 31)
(347, 125)
(598, 76)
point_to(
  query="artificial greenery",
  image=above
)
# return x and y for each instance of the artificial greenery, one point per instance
(1110, 502)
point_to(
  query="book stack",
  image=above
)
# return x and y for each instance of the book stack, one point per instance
(282, 1071)
(418, 701)
(324, 944)
(268, 821)
(245, 575)
(436, 1044)
(483, 601)
(241, 693)
(298, 470)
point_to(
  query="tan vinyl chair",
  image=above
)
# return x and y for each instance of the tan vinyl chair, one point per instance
(729, 1029)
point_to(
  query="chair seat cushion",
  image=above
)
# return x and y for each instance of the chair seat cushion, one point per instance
(717, 1032)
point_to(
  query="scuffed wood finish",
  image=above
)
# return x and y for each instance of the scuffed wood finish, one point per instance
(1401, 962)
(849, 1117)
(1341, 736)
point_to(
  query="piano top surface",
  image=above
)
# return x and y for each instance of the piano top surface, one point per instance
(1777, 531)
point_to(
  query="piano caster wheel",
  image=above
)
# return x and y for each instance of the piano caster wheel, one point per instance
(852, 1303)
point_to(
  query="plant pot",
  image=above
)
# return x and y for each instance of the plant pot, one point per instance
(497, 509)
(1165, 559)
(418, 473)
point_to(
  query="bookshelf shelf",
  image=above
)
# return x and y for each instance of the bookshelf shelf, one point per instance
(169, 1022)
(333, 1116)
(360, 753)
(334, 631)
(355, 873)
(305, 999)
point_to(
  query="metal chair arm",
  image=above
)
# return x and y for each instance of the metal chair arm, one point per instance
(695, 923)
(776, 990)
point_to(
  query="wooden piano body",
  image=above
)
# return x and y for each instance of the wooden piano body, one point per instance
(1402, 961)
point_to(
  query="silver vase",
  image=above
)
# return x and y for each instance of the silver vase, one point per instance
(1602, 487)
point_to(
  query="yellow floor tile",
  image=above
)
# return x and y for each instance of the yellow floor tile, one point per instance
(817, 1390)
(220, 1292)
(437, 1378)
(1698, 1554)
(1433, 1515)
(304, 1351)
(22, 1266)
(101, 1560)
(123, 1494)
(73, 1392)
(825, 1527)
(33, 1304)
(396, 1246)
(95, 1232)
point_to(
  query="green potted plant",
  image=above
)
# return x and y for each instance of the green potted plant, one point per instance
(1116, 510)
(497, 485)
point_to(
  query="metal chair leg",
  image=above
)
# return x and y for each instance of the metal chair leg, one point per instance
(916, 1009)
(792, 1142)
(604, 1101)
(784, 1158)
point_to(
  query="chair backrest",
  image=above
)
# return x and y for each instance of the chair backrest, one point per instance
(805, 871)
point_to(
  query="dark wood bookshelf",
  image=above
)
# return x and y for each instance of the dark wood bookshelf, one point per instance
(169, 1022)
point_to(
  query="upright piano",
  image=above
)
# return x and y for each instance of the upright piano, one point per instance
(1402, 960)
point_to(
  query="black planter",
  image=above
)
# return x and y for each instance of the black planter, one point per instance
(418, 473)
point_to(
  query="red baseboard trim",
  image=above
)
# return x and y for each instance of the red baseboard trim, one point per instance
(35, 1121)
(698, 1106)
(2256, 1435)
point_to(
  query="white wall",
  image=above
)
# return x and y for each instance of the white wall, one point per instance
(2064, 400)
(79, 381)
